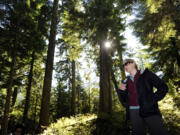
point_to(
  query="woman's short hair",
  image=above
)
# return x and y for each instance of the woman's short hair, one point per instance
(129, 61)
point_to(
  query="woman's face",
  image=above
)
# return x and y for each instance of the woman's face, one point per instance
(129, 67)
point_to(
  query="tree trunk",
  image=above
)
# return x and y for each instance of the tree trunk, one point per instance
(78, 91)
(73, 99)
(4, 126)
(178, 58)
(35, 112)
(89, 96)
(8, 96)
(121, 70)
(119, 49)
(44, 112)
(121, 66)
(105, 105)
(28, 91)
(14, 96)
(173, 41)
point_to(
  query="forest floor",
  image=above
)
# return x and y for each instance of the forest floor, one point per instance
(90, 124)
(87, 124)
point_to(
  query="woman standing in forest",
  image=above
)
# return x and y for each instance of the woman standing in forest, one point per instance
(137, 96)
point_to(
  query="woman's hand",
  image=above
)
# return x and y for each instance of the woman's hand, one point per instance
(123, 87)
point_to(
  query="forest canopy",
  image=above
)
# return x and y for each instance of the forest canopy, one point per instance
(61, 63)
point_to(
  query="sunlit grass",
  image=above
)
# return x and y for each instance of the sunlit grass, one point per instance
(89, 124)
(80, 124)
(171, 114)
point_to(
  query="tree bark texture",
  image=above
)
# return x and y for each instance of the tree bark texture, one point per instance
(105, 105)
(44, 112)
(28, 90)
(73, 99)
(14, 96)
(9, 92)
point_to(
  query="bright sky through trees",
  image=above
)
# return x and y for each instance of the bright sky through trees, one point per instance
(107, 44)
(131, 41)
(84, 43)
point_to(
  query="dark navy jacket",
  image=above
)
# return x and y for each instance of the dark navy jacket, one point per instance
(147, 98)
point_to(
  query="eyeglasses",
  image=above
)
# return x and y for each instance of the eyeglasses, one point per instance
(128, 62)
